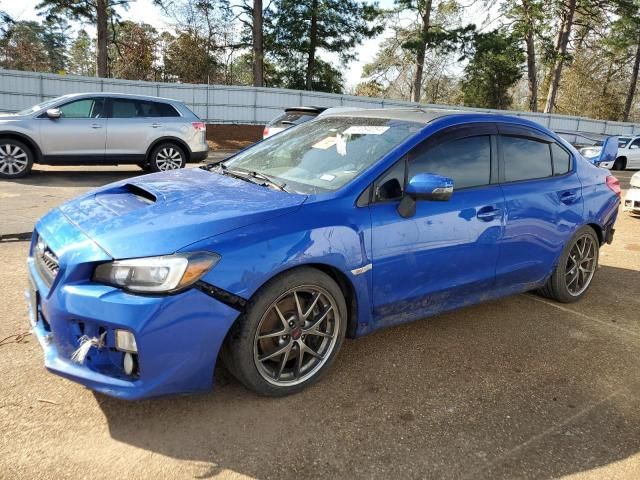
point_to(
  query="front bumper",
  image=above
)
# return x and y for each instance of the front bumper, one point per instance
(178, 336)
(631, 201)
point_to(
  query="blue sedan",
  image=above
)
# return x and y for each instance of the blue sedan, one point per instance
(338, 227)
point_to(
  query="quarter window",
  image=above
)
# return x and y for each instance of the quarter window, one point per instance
(525, 158)
(126, 108)
(561, 159)
(85, 108)
(467, 161)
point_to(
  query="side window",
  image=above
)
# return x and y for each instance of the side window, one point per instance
(123, 108)
(166, 110)
(85, 108)
(635, 144)
(561, 159)
(525, 158)
(467, 161)
(391, 184)
(156, 109)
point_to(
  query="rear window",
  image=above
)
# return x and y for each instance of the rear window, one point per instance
(561, 159)
(289, 119)
(525, 158)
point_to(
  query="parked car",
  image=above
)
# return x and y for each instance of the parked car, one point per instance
(628, 154)
(339, 227)
(101, 129)
(292, 116)
(632, 198)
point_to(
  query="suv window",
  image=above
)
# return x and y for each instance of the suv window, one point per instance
(466, 160)
(129, 108)
(122, 108)
(525, 158)
(85, 108)
(157, 109)
(561, 159)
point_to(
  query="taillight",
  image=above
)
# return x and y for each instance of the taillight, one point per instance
(614, 185)
(265, 132)
(199, 126)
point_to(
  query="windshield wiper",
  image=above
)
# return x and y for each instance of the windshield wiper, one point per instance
(268, 179)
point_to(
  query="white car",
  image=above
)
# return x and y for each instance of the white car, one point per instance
(628, 154)
(632, 198)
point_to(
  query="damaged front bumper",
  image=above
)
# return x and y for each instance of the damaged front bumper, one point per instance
(178, 336)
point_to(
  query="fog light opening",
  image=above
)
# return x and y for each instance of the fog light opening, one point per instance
(129, 363)
(126, 342)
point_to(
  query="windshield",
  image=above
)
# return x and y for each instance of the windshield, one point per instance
(324, 154)
(39, 106)
(622, 141)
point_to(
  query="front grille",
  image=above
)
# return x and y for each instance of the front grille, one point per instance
(46, 261)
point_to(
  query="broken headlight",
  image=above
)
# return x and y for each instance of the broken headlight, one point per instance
(164, 274)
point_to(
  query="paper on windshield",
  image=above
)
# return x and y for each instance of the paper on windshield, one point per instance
(325, 143)
(365, 130)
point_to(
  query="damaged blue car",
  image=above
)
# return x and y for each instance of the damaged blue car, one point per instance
(332, 229)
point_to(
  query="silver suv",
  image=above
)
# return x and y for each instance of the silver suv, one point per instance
(101, 129)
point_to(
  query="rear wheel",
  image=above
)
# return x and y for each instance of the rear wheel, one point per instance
(289, 335)
(16, 158)
(573, 275)
(167, 156)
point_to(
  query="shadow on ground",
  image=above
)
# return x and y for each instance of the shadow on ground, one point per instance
(509, 389)
(79, 178)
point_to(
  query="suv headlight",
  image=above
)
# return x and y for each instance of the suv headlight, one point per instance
(164, 274)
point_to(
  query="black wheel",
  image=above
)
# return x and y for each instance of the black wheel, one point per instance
(619, 164)
(573, 274)
(290, 334)
(167, 156)
(16, 158)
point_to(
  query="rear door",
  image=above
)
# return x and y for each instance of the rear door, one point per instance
(446, 254)
(78, 136)
(544, 206)
(132, 126)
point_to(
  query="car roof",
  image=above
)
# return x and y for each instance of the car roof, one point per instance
(418, 115)
(119, 95)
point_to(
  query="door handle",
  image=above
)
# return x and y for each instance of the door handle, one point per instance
(568, 197)
(156, 125)
(486, 214)
(96, 125)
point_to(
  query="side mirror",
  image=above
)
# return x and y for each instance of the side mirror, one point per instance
(634, 147)
(424, 186)
(54, 113)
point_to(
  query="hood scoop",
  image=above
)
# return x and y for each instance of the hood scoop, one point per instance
(126, 198)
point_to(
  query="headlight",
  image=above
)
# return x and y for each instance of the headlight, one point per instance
(156, 274)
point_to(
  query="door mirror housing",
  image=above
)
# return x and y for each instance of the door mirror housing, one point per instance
(634, 147)
(54, 113)
(424, 186)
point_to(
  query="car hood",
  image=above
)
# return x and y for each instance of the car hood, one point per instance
(162, 213)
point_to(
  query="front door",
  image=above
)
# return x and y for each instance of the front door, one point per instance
(633, 155)
(445, 255)
(79, 135)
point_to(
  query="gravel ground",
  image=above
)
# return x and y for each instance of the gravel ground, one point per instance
(516, 388)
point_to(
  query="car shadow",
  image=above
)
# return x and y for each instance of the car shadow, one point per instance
(520, 387)
(76, 178)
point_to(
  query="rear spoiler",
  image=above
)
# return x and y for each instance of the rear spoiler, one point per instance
(608, 151)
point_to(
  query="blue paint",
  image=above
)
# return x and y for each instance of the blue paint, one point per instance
(483, 243)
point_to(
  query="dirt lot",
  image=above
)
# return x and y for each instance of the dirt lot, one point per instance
(516, 388)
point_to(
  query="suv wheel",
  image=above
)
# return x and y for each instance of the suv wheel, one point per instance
(16, 158)
(290, 334)
(167, 156)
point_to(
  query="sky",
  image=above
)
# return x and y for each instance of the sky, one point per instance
(145, 11)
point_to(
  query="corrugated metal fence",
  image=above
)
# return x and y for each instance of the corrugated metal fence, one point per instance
(232, 104)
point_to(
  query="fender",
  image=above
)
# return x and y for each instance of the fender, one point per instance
(26, 139)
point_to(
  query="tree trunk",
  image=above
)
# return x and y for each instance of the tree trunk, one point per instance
(101, 47)
(632, 86)
(563, 41)
(422, 50)
(313, 44)
(532, 72)
(258, 49)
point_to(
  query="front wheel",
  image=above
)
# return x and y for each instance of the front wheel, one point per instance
(575, 270)
(289, 335)
(16, 159)
(167, 156)
(619, 164)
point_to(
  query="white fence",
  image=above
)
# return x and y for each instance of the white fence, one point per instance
(231, 104)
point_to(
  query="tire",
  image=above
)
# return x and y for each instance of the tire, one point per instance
(16, 158)
(167, 156)
(565, 287)
(619, 164)
(263, 347)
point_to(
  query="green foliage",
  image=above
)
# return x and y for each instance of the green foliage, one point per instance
(23, 48)
(134, 51)
(82, 55)
(495, 67)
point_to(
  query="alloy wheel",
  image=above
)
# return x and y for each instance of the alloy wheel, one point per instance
(169, 158)
(13, 159)
(296, 335)
(581, 265)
